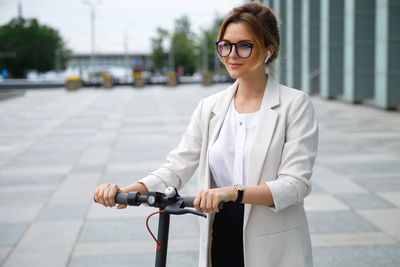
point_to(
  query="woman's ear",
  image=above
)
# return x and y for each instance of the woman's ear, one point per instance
(270, 52)
(268, 56)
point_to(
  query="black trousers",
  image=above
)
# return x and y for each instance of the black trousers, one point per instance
(227, 236)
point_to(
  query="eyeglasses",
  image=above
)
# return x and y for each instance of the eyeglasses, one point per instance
(243, 48)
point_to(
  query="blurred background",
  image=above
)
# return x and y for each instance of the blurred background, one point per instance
(99, 91)
(338, 49)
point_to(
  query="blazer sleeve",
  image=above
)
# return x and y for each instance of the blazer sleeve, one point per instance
(299, 152)
(182, 162)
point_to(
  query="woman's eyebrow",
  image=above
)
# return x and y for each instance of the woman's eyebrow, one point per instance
(246, 40)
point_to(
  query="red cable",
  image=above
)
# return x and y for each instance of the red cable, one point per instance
(159, 244)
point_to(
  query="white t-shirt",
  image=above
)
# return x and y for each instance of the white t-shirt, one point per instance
(230, 151)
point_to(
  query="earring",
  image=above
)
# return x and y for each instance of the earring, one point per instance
(268, 56)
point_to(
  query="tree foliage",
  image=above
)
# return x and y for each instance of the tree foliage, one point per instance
(32, 46)
(159, 55)
(184, 46)
(209, 36)
(187, 49)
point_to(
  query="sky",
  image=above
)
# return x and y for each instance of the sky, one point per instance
(116, 20)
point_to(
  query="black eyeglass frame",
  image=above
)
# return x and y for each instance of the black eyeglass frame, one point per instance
(236, 48)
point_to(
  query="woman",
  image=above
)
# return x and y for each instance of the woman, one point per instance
(254, 145)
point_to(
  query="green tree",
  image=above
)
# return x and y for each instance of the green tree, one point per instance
(210, 37)
(33, 46)
(159, 56)
(184, 45)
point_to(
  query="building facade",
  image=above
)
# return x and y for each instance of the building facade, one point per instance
(341, 49)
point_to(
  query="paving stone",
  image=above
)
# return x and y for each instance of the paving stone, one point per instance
(321, 172)
(63, 212)
(124, 166)
(328, 222)
(97, 211)
(136, 260)
(317, 202)
(46, 159)
(392, 197)
(116, 230)
(316, 189)
(33, 180)
(76, 189)
(39, 247)
(386, 219)
(4, 250)
(184, 226)
(104, 139)
(34, 171)
(36, 259)
(351, 239)
(96, 155)
(134, 247)
(339, 185)
(10, 233)
(380, 183)
(374, 166)
(17, 195)
(121, 260)
(87, 169)
(20, 213)
(357, 256)
(122, 178)
(363, 201)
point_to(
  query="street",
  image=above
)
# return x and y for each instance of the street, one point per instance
(57, 146)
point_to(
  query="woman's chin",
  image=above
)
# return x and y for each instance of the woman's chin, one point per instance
(234, 74)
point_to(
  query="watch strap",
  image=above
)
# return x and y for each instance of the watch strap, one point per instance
(240, 192)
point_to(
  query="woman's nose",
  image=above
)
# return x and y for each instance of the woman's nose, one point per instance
(233, 53)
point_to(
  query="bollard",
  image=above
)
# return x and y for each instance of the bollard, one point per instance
(172, 79)
(207, 78)
(73, 83)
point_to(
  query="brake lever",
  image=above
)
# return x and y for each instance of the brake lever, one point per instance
(177, 209)
(180, 211)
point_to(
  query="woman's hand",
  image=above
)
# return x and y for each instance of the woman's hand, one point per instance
(105, 193)
(207, 200)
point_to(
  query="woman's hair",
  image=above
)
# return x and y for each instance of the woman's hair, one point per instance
(261, 20)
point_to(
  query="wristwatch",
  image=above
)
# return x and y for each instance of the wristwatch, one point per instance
(240, 189)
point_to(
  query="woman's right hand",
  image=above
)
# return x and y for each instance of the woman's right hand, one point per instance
(105, 195)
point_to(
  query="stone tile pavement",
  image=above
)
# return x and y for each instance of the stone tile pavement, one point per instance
(57, 146)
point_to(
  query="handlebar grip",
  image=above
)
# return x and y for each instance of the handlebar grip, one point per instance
(121, 198)
(188, 202)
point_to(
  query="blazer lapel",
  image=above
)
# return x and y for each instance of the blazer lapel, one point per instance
(264, 131)
(219, 111)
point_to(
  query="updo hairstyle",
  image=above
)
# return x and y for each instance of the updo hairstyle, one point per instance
(261, 20)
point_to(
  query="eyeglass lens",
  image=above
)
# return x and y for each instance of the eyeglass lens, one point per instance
(243, 48)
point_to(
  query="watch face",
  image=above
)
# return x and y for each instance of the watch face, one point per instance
(239, 187)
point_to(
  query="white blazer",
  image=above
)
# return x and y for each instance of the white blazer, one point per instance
(284, 150)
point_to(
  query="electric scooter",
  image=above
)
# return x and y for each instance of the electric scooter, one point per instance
(168, 203)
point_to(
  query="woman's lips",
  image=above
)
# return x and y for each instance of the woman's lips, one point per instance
(235, 65)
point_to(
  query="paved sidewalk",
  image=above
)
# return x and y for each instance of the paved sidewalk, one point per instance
(57, 146)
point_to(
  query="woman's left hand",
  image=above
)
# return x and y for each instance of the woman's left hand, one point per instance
(208, 200)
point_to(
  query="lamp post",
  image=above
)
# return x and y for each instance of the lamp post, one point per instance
(171, 60)
(92, 7)
(128, 65)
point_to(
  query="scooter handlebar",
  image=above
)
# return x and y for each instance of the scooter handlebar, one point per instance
(135, 199)
(189, 202)
(121, 198)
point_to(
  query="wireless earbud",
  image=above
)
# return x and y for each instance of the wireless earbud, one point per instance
(268, 56)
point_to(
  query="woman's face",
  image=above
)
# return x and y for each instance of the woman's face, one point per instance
(236, 66)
